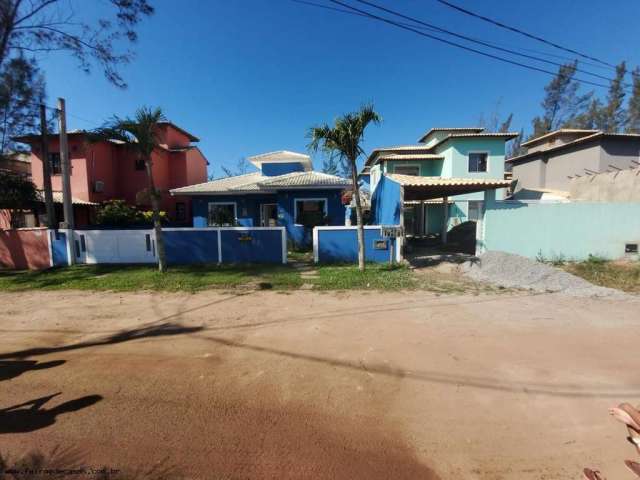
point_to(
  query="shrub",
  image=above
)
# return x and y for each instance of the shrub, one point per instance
(117, 213)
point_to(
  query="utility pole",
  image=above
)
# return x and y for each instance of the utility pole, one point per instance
(46, 169)
(66, 178)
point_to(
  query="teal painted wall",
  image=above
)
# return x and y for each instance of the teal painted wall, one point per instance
(456, 161)
(435, 217)
(460, 149)
(561, 230)
(428, 168)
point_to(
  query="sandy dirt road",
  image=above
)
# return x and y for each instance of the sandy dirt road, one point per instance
(310, 385)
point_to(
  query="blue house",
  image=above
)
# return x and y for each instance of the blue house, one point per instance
(285, 191)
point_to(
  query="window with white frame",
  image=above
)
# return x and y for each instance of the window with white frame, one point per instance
(407, 169)
(310, 212)
(222, 214)
(478, 162)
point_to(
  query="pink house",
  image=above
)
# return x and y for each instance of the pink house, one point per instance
(108, 170)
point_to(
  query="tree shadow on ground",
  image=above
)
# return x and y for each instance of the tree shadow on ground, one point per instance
(164, 329)
(11, 369)
(31, 416)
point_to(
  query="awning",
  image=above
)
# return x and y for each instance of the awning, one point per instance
(425, 188)
(57, 198)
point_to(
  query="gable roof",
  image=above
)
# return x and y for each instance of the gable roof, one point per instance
(556, 133)
(589, 138)
(305, 179)
(258, 183)
(421, 149)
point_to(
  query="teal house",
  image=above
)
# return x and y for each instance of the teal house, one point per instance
(439, 182)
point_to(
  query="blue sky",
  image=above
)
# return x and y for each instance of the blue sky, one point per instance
(252, 76)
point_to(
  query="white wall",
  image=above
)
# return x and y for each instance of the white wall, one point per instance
(115, 246)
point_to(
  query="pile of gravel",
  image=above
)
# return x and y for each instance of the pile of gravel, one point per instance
(514, 271)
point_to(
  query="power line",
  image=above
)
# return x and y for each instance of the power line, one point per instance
(458, 45)
(328, 7)
(57, 110)
(481, 42)
(521, 32)
(436, 29)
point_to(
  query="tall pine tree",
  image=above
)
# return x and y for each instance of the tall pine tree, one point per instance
(562, 102)
(633, 110)
(591, 118)
(21, 88)
(515, 148)
(613, 114)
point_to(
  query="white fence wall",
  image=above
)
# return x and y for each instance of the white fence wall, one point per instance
(115, 246)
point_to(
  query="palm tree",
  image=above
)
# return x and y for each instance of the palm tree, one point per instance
(343, 141)
(141, 135)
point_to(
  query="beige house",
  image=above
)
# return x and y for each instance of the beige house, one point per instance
(554, 159)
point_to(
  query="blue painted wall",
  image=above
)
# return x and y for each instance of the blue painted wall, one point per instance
(195, 246)
(275, 169)
(59, 248)
(385, 203)
(286, 211)
(251, 246)
(341, 246)
(247, 207)
(248, 210)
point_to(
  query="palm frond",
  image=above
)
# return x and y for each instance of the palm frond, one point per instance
(139, 132)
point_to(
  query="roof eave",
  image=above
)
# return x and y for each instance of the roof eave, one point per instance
(229, 192)
(578, 141)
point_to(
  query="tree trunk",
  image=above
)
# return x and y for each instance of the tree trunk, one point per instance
(359, 217)
(155, 207)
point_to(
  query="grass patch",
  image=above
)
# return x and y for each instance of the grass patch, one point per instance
(623, 276)
(143, 277)
(375, 277)
(129, 278)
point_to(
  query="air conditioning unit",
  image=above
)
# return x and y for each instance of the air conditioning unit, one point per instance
(98, 186)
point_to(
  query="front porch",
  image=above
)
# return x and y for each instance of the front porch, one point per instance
(431, 217)
(298, 211)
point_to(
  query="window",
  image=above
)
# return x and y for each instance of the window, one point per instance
(55, 164)
(474, 213)
(310, 212)
(222, 214)
(139, 164)
(478, 162)
(407, 169)
(181, 212)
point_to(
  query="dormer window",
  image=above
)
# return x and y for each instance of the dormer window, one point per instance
(478, 162)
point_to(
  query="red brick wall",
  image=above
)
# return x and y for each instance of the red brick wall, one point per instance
(24, 249)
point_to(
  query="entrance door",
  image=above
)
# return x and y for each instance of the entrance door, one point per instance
(409, 220)
(269, 215)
